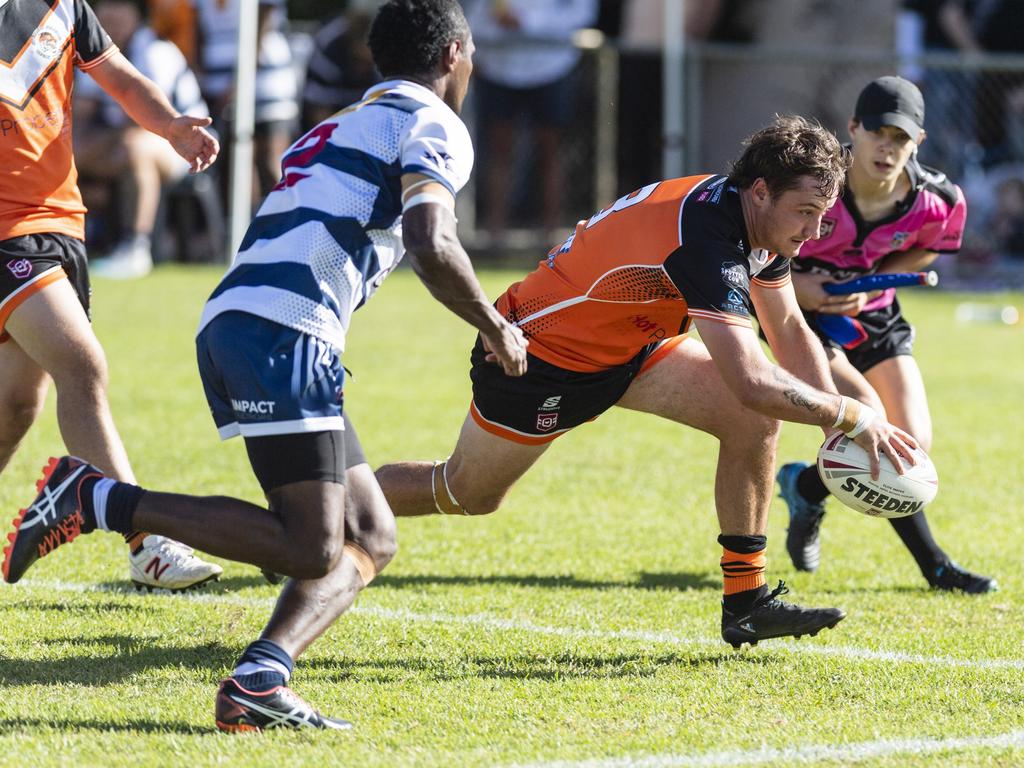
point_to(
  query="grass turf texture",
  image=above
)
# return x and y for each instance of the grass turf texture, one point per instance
(580, 622)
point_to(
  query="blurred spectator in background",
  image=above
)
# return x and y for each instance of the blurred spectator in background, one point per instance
(175, 20)
(944, 28)
(1007, 222)
(525, 87)
(990, 101)
(112, 148)
(277, 108)
(998, 27)
(641, 144)
(340, 69)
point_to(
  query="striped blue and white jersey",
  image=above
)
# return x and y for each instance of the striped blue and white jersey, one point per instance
(331, 230)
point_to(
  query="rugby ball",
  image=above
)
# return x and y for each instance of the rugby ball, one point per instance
(846, 471)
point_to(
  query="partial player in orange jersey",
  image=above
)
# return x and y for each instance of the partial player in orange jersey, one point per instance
(607, 315)
(44, 281)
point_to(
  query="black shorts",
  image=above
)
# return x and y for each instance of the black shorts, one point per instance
(888, 335)
(31, 262)
(546, 401)
(292, 458)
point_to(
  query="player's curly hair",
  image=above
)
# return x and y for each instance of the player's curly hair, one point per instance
(789, 148)
(408, 36)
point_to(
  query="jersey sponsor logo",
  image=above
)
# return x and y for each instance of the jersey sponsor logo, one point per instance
(644, 323)
(735, 275)
(254, 407)
(20, 268)
(899, 238)
(551, 404)
(826, 228)
(734, 302)
(37, 122)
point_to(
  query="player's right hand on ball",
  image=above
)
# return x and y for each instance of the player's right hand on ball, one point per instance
(506, 346)
(897, 445)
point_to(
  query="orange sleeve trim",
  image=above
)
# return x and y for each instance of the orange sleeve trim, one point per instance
(510, 434)
(777, 283)
(85, 66)
(722, 317)
(16, 299)
(663, 351)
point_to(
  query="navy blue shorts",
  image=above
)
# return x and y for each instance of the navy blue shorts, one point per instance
(262, 378)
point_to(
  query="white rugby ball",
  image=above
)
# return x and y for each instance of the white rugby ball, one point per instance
(846, 471)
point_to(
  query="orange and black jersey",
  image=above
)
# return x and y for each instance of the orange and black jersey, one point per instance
(41, 43)
(639, 271)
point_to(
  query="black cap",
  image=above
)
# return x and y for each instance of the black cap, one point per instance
(891, 101)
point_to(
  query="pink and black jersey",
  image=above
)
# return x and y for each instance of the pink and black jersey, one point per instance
(931, 217)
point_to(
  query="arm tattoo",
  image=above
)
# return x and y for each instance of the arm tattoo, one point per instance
(798, 393)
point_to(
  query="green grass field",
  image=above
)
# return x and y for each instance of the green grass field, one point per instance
(576, 627)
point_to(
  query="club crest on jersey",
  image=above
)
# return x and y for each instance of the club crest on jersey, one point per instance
(899, 238)
(20, 268)
(46, 43)
(827, 225)
(733, 274)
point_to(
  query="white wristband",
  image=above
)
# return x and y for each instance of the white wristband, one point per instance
(842, 412)
(864, 419)
(428, 197)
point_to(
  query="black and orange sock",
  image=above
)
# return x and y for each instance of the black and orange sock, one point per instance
(134, 540)
(743, 564)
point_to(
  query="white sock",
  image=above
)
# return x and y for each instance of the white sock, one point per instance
(266, 665)
(100, 492)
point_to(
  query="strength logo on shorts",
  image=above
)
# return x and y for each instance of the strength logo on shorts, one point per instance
(20, 268)
(547, 414)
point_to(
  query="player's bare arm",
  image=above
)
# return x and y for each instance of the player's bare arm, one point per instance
(914, 260)
(767, 388)
(146, 104)
(793, 343)
(439, 260)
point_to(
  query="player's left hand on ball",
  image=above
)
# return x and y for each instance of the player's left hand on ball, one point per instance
(191, 140)
(506, 346)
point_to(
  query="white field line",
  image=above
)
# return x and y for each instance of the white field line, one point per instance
(489, 621)
(812, 753)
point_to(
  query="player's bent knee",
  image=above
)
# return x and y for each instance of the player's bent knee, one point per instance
(379, 543)
(483, 505)
(451, 501)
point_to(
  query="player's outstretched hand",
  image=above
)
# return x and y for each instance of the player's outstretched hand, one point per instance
(191, 140)
(506, 346)
(881, 436)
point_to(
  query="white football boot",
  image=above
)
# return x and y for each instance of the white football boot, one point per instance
(163, 563)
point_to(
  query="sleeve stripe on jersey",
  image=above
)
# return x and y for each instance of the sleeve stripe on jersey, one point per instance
(85, 66)
(427, 170)
(721, 317)
(778, 282)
